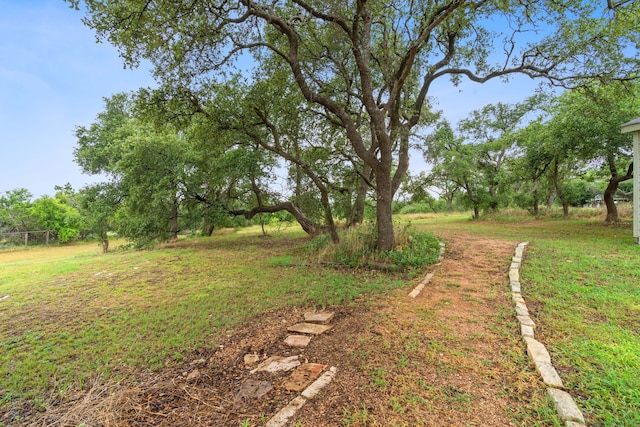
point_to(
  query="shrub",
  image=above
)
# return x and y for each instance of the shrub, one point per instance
(357, 248)
(414, 248)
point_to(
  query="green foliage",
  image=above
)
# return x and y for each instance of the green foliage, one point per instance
(57, 216)
(357, 248)
(414, 249)
(98, 204)
(432, 207)
(15, 210)
(579, 192)
(359, 72)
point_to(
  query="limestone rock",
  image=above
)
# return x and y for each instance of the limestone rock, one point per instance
(303, 376)
(549, 375)
(537, 351)
(277, 363)
(298, 341)
(309, 328)
(565, 406)
(321, 318)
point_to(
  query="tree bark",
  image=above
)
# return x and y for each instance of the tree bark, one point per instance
(559, 193)
(384, 218)
(307, 225)
(536, 198)
(474, 200)
(105, 243)
(357, 214)
(174, 220)
(208, 227)
(612, 187)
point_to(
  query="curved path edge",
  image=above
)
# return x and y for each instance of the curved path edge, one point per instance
(564, 404)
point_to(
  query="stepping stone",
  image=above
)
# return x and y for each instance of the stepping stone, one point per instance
(309, 328)
(252, 389)
(298, 341)
(277, 363)
(321, 318)
(303, 376)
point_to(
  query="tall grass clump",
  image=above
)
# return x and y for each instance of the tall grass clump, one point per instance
(357, 248)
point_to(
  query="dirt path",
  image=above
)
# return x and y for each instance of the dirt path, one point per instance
(450, 357)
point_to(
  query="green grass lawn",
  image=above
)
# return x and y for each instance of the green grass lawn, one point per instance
(74, 314)
(581, 280)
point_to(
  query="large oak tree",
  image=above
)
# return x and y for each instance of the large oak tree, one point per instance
(373, 59)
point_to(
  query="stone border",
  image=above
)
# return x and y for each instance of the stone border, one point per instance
(416, 291)
(564, 404)
(281, 418)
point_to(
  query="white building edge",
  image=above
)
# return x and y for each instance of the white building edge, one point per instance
(634, 127)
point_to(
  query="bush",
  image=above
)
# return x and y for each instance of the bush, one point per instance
(414, 248)
(66, 235)
(357, 248)
(416, 208)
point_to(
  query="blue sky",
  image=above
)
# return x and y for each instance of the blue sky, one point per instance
(54, 76)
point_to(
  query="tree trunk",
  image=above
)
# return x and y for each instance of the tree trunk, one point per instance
(105, 243)
(384, 219)
(208, 228)
(328, 214)
(559, 193)
(612, 209)
(174, 221)
(449, 198)
(551, 198)
(357, 214)
(612, 187)
(474, 200)
(536, 198)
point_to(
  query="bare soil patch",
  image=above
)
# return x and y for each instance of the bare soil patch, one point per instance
(452, 357)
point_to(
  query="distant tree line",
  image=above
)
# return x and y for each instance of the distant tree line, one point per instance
(309, 110)
(332, 95)
(566, 149)
(59, 214)
(175, 163)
